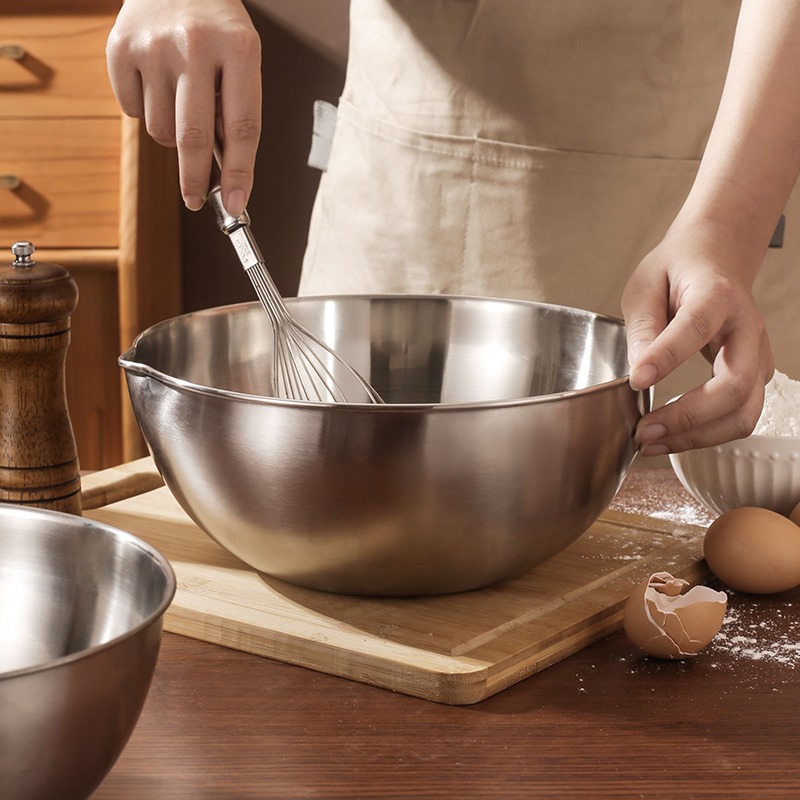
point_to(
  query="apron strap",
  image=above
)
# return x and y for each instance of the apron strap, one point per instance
(322, 134)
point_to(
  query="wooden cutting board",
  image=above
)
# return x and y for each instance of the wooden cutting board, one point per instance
(454, 649)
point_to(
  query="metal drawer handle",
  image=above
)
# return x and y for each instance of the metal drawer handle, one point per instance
(10, 182)
(13, 52)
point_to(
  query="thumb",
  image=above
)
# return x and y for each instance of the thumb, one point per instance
(643, 324)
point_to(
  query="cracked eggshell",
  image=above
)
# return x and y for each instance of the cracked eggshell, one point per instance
(663, 621)
(754, 550)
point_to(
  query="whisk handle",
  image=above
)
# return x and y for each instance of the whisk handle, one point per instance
(237, 229)
(228, 223)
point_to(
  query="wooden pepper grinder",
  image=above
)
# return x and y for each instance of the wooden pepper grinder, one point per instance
(38, 456)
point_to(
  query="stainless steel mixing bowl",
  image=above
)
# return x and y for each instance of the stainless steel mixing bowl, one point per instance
(81, 607)
(507, 430)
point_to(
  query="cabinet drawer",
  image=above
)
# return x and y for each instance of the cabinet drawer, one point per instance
(60, 69)
(68, 173)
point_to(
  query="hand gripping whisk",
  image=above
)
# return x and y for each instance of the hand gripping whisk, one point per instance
(303, 366)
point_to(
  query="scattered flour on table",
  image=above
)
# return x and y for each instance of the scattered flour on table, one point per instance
(753, 633)
(781, 413)
(654, 493)
(682, 513)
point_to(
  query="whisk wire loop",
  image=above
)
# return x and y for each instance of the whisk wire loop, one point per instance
(303, 366)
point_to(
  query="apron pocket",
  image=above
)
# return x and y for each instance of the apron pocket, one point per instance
(400, 211)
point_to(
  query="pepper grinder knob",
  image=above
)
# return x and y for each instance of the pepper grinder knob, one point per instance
(22, 254)
(38, 456)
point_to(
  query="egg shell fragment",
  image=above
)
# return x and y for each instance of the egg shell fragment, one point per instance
(754, 550)
(664, 622)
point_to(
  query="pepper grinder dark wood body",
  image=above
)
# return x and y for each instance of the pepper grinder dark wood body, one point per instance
(38, 457)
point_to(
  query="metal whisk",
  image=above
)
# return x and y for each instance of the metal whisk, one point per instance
(303, 366)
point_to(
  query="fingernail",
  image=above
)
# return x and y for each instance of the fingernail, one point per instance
(643, 377)
(650, 433)
(193, 202)
(654, 450)
(234, 205)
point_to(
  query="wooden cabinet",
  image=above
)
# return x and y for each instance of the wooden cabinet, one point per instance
(89, 188)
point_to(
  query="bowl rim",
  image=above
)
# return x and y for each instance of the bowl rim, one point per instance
(60, 518)
(755, 442)
(128, 362)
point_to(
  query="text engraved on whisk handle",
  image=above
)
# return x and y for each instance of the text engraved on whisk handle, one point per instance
(246, 248)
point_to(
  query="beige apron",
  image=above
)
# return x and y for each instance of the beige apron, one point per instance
(524, 148)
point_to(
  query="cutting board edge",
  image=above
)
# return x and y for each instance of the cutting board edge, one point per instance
(466, 686)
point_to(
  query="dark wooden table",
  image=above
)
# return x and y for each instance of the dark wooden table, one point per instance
(605, 723)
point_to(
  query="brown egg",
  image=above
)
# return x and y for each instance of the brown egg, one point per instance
(754, 550)
(664, 622)
(795, 515)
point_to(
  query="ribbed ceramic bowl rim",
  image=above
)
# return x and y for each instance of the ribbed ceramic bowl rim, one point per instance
(751, 443)
(123, 536)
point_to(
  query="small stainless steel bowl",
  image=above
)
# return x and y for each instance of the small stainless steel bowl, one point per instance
(81, 608)
(508, 427)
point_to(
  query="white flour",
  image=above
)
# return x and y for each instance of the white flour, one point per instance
(750, 633)
(781, 413)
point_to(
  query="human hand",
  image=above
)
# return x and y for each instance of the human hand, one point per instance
(686, 297)
(192, 69)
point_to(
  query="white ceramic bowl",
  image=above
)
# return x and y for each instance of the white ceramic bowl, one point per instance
(761, 471)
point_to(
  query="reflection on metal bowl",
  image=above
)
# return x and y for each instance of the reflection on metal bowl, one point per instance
(507, 430)
(81, 608)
